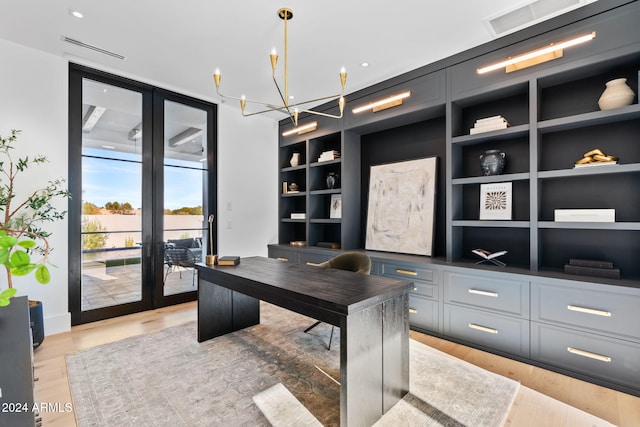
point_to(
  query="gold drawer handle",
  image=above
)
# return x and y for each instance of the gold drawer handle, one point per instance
(483, 328)
(413, 311)
(406, 272)
(283, 259)
(589, 310)
(588, 354)
(484, 293)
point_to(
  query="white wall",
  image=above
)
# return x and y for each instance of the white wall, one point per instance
(248, 183)
(34, 98)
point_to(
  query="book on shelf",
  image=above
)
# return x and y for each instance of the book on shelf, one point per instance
(229, 260)
(585, 215)
(331, 245)
(298, 215)
(595, 164)
(488, 124)
(594, 263)
(328, 155)
(609, 273)
(489, 256)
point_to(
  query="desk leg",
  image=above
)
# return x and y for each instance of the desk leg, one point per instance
(374, 361)
(221, 310)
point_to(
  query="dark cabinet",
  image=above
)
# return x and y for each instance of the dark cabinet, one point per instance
(16, 370)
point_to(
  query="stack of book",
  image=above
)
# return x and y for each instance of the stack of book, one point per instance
(298, 215)
(488, 124)
(593, 268)
(328, 155)
(229, 260)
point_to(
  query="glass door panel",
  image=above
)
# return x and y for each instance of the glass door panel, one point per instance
(185, 174)
(111, 228)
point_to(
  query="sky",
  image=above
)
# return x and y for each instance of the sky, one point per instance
(110, 180)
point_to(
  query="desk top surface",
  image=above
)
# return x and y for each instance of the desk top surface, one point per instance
(269, 280)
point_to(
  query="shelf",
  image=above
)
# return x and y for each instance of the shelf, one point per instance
(590, 119)
(298, 194)
(327, 191)
(325, 163)
(631, 226)
(508, 133)
(326, 220)
(293, 220)
(293, 168)
(492, 178)
(483, 223)
(592, 170)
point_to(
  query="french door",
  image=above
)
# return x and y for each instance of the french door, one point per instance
(142, 178)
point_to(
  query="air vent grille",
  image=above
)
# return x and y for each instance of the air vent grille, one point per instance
(94, 48)
(530, 14)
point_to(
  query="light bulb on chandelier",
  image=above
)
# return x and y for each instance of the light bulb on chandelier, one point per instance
(286, 15)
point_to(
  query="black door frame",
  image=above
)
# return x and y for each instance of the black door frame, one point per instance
(152, 174)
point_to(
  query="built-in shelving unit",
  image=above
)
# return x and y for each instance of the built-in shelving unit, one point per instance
(554, 118)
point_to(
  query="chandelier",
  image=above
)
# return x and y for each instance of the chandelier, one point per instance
(291, 109)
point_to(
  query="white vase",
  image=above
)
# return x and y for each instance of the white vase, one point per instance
(295, 160)
(616, 95)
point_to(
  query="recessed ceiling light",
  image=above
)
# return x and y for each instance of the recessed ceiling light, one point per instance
(109, 147)
(364, 64)
(291, 97)
(76, 13)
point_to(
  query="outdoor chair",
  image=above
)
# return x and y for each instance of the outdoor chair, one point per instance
(178, 258)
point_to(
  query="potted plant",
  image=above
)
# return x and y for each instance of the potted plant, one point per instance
(24, 245)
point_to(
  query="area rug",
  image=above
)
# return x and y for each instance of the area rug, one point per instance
(169, 379)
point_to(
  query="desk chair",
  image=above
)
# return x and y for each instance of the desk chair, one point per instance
(349, 261)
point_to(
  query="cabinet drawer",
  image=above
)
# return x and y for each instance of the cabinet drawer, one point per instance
(305, 257)
(506, 296)
(504, 333)
(423, 313)
(603, 308)
(283, 254)
(608, 359)
(409, 272)
(424, 290)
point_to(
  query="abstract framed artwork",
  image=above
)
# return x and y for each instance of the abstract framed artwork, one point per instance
(335, 209)
(495, 201)
(401, 207)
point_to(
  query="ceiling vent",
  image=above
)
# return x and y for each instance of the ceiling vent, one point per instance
(92, 47)
(531, 14)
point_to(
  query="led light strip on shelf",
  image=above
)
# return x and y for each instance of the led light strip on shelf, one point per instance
(383, 104)
(538, 56)
(302, 129)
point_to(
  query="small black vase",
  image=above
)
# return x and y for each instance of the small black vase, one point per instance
(492, 162)
(332, 180)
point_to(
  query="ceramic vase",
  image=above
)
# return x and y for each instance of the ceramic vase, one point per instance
(295, 160)
(617, 94)
(492, 162)
(332, 180)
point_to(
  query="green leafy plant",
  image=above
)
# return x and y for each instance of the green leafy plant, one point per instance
(21, 237)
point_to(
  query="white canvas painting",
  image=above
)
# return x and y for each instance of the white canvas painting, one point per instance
(401, 209)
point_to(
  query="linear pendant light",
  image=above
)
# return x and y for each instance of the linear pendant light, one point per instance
(285, 106)
(538, 56)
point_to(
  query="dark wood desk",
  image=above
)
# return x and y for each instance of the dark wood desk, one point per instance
(371, 311)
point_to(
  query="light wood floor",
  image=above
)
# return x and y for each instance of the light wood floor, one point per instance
(542, 399)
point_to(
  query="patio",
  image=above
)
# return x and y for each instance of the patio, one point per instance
(112, 279)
